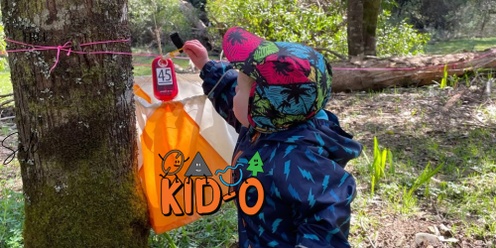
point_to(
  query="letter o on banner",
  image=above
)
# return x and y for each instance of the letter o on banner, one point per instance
(251, 182)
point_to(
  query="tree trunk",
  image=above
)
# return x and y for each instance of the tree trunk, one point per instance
(76, 124)
(375, 74)
(200, 5)
(200, 26)
(355, 27)
(371, 10)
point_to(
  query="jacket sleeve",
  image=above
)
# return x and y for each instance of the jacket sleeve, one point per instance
(219, 83)
(320, 194)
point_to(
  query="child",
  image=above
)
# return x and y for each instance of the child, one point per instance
(276, 103)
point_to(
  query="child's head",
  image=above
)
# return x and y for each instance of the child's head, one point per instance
(292, 82)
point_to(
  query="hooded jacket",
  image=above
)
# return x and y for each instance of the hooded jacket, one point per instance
(306, 191)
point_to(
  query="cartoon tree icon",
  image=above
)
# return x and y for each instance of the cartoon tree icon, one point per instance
(255, 164)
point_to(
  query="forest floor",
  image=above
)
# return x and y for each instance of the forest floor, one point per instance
(421, 126)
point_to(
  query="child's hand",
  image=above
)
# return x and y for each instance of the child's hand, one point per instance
(196, 52)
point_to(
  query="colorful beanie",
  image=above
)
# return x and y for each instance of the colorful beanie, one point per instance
(293, 81)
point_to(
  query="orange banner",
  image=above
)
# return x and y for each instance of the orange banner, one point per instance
(185, 149)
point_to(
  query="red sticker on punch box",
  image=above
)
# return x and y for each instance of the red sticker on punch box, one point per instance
(164, 79)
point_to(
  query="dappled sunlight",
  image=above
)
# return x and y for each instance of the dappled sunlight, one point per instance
(462, 45)
(452, 128)
(487, 113)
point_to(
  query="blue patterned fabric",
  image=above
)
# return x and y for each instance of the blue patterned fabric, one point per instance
(293, 81)
(307, 191)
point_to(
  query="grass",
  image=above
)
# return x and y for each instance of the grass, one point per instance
(11, 216)
(460, 45)
(142, 64)
(450, 172)
(461, 191)
(217, 230)
(11, 207)
(5, 85)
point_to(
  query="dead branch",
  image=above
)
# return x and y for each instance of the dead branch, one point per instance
(6, 95)
(5, 103)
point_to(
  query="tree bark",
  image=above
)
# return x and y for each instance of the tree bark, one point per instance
(355, 27)
(362, 18)
(376, 74)
(371, 11)
(200, 5)
(76, 124)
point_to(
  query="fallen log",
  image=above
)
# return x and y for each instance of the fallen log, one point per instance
(375, 74)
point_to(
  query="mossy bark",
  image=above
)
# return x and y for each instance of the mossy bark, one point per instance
(76, 124)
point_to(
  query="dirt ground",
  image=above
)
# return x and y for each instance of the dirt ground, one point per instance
(401, 118)
(396, 116)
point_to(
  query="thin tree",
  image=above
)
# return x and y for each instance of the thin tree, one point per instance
(355, 31)
(76, 123)
(371, 11)
(362, 18)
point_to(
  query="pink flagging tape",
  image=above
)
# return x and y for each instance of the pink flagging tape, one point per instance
(67, 47)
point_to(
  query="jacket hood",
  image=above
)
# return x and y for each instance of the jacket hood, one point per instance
(292, 81)
(323, 135)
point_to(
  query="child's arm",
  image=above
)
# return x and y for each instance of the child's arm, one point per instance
(219, 83)
(219, 80)
(196, 52)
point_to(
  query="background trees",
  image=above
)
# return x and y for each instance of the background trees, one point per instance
(321, 24)
(362, 17)
(152, 21)
(403, 26)
(447, 19)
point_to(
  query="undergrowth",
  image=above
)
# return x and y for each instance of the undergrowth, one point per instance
(441, 171)
(11, 217)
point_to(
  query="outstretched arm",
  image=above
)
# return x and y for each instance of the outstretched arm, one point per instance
(196, 52)
(219, 80)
